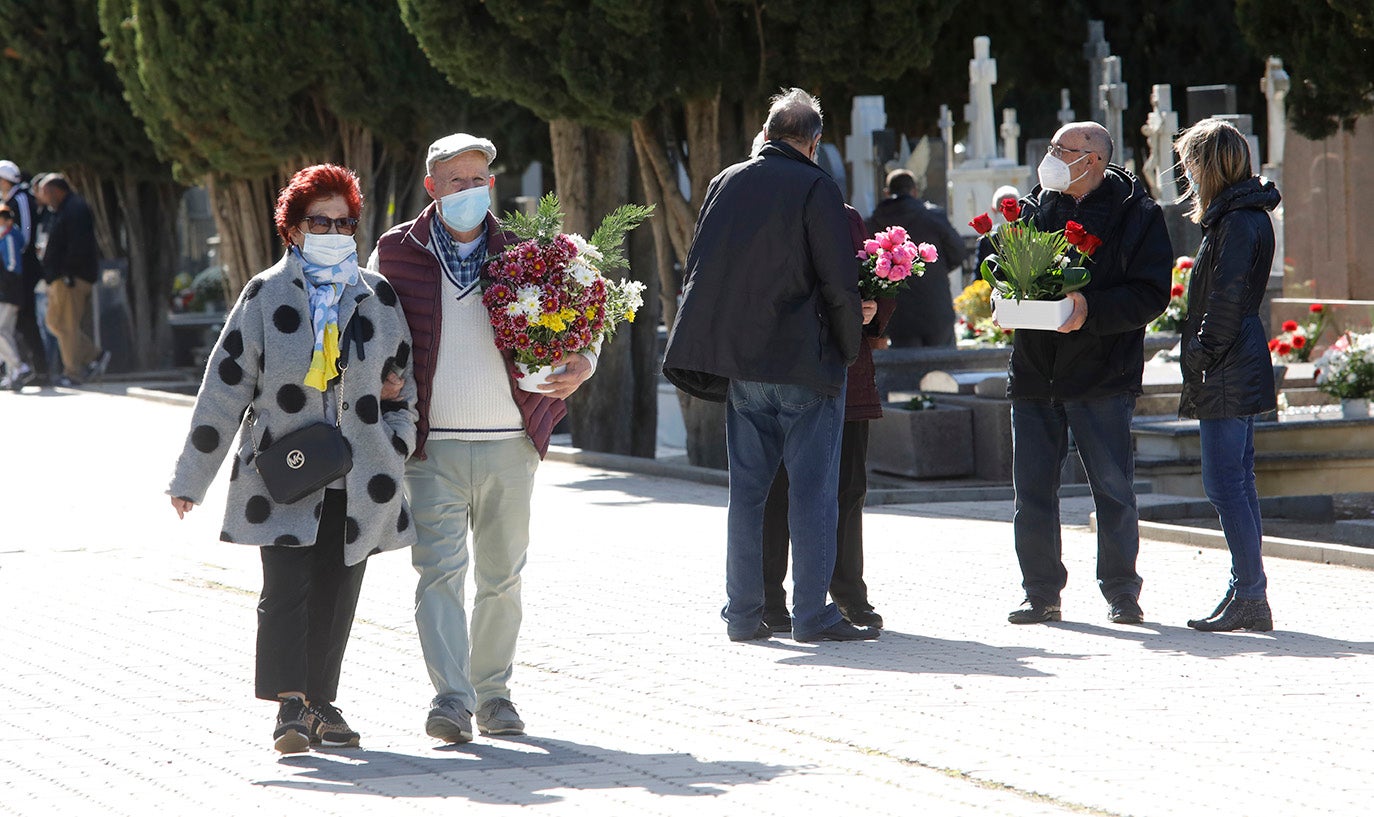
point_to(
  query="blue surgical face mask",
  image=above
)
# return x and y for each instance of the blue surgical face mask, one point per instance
(1188, 176)
(466, 209)
(329, 249)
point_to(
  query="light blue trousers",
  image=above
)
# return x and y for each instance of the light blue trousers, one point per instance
(486, 487)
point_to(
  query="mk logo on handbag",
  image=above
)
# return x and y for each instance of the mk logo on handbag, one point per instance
(295, 459)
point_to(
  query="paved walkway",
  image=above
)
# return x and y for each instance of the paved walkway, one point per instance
(127, 649)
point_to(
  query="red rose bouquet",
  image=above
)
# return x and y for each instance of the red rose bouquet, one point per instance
(1031, 264)
(547, 295)
(1177, 310)
(889, 258)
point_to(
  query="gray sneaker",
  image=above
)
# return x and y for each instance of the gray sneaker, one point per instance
(448, 721)
(498, 717)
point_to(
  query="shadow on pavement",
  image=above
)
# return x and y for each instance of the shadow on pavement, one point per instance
(516, 772)
(903, 652)
(1185, 640)
(650, 488)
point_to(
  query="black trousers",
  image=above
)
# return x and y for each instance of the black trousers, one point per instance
(306, 610)
(847, 588)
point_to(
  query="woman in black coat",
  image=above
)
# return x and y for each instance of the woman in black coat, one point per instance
(1227, 374)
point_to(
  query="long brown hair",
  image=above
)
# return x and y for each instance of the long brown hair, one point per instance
(1217, 155)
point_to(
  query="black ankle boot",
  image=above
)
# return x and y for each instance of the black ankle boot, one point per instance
(1230, 594)
(1241, 614)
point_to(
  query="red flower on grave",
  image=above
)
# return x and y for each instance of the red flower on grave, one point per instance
(1299, 341)
(1284, 348)
(1314, 308)
(1290, 326)
(983, 224)
(1176, 291)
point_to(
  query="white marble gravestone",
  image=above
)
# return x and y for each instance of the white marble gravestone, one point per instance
(1160, 126)
(866, 115)
(982, 170)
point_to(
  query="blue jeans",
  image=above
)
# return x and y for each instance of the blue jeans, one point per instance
(1040, 445)
(1228, 478)
(768, 423)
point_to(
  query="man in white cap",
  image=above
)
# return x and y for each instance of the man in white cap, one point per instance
(480, 439)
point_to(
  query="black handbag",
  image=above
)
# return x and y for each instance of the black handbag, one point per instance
(307, 459)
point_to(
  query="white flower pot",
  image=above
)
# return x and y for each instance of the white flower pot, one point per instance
(1354, 408)
(536, 377)
(1013, 314)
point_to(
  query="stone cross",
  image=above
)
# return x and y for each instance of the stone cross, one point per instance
(1111, 95)
(867, 115)
(1010, 132)
(1275, 86)
(1065, 115)
(1095, 50)
(947, 135)
(978, 113)
(1160, 126)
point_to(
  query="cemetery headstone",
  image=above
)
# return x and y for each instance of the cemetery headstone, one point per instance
(866, 116)
(1161, 124)
(1095, 50)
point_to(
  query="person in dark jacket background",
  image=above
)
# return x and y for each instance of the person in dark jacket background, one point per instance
(1084, 378)
(70, 264)
(770, 319)
(925, 307)
(1228, 377)
(861, 404)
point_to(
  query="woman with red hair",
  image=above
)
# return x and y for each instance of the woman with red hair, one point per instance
(310, 341)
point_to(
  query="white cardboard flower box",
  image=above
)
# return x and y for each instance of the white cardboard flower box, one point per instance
(1013, 314)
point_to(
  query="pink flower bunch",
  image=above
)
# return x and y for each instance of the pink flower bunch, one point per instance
(890, 257)
(542, 304)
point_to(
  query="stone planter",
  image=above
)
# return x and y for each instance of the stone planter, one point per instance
(935, 442)
(1355, 408)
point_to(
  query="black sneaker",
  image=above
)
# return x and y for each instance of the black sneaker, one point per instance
(778, 621)
(292, 734)
(1035, 611)
(842, 631)
(328, 727)
(761, 633)
(862, 617)
(1125, 610)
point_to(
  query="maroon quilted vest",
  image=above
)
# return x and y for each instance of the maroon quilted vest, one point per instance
(415, 274)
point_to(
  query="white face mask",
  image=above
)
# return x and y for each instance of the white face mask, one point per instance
(466, 209)
(1055, 175)
(328, 250)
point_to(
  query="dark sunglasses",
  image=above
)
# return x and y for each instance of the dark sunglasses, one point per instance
(319, 225)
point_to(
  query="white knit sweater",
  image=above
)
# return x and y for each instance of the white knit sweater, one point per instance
(471, 398)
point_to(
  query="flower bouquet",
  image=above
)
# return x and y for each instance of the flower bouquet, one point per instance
(1177, 310)
(1030, 271)
(547, 295)
(1294, 343)
(976, 326)
(1346, 369)
(889, 258)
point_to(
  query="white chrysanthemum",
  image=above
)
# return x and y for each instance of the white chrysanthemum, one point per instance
(634, 294)
(582, 272)
(528, 297)
(585, 248)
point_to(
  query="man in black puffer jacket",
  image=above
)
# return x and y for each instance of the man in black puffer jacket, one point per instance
(1086, 376)
(770, 320)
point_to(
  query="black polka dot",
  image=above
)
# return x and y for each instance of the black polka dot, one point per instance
(258, 509)
(230, 372)
(350, 530)
(234, 471)
(287, 319)
(386, 294)
(319, 509)
(402, 521)
(360, 297)
(403, 353)
(251, 291)
(381, 488)
(299, 284)
(266, 440)
(365, 328)
(233, 343)
(286, 540)
(205, 439)
(291, 398)
(400, 446)
(225, 537)
(367, 408)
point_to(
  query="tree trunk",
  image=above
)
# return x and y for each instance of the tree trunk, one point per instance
(104, 210)
(655, 147)
(592, 178)
(247, 235)
(140, 289)
(359, 153)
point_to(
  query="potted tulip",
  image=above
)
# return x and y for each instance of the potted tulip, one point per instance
(1030, 270)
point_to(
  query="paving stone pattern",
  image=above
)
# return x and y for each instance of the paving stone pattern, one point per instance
(127, 649)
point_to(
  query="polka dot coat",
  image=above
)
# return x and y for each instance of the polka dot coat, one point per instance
(260, 361)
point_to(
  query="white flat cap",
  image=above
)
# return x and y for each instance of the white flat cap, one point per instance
(9, 171)
(454, 144)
